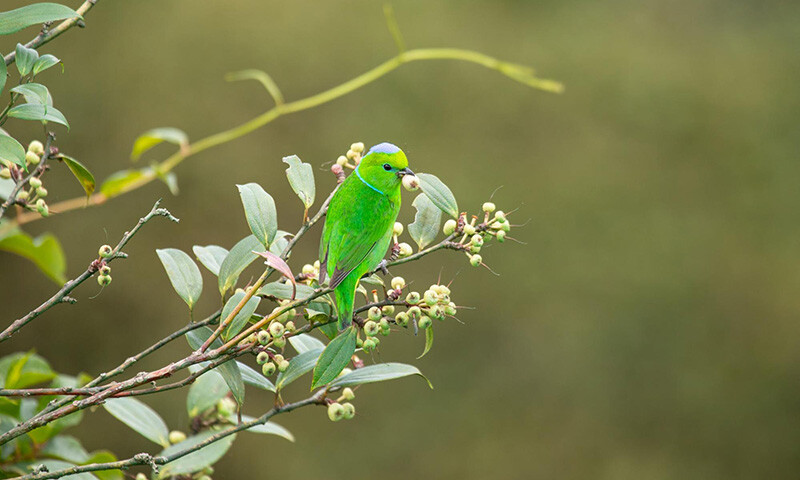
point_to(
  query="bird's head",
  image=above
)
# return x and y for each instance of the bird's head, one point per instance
(384, 167)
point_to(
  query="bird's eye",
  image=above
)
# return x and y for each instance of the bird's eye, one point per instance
(387, 167)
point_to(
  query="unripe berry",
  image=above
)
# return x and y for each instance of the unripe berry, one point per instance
(290, 326)
(36, 147)
(349, 411)
(41, 191)
(351, 154)
(42, 208)
(477, 240)
(387, 309)
(335, 412)
(35, 182)
(501, 236)
(279, 342)
(268, 369)
(413, 298)
(450, 309)
(141, 476)
(414, 312)
(262, 358)
(411, 183)
(475, 260)
(348, 394)
(437, 312)
(105, 270)
(398, 283)
(376, 341)
(401, 319)
(226, 407)
(441, 289)
(23, 195)
(32, 158)
(405, 250)
(505, 227)
(176, 436)
(374, 313)
(104, 252)
(489, 207)
(474, 248)
(204, 477)
(371, 329)
(276, 329)
(469, 229)
(5, 173)
(397, 229)
(283, 366)
(345, 372)
(500, 216)
(341, 161)
(359, 342)
(263, 337)
(308, 269)
(424, 322)
(369, 344)
(104, 280)
(277, 358)
(384, 323)
(357, 147)
(449, 227)
(431, 298)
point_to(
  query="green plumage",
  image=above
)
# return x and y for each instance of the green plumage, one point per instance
(358, 225)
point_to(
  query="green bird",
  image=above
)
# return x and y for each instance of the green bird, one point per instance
(358, 225)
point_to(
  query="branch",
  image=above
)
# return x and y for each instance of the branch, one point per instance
(46, 36)
(519, 73)
(12, 196)
(147, 459)
(68, 287)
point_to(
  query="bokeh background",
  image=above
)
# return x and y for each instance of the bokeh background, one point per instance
(647, 328)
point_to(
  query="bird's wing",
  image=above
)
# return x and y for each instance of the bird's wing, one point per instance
(354, 249)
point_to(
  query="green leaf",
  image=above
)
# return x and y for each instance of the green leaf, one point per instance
(81, 173)
(43, 113)
(21, 370)
(205, 392)
(335, 357)
(153, 137)
(377, 373)
(229, 370)
(301, 178)
(268, 428)
(440, 195)
(240, 256)
(279, 243)
(139, 417)
(170, 179)
(104, 456)
(44, 62)
(15, 20)
(195, 461)
(426, 221)
(45, 251)
(183, 273)
(428, 341)
(254, 378)
(119, 182)
(298, 366)
(241, 318)
(283, 291)
(305, 342)
(262, 77)
(34, 93)
(211, 256)
(65, 447)
(259, 208)
(3, 76)
(25, 57)
(12, 151)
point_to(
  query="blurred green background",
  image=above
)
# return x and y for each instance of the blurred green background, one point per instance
(648, 327)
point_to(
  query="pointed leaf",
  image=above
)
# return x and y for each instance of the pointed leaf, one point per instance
(43, 113)
(241, 318)
(269, 428)
(119, 182)
(426, 221)
(45, 251)
(229, 370)
(35, 93)
(82, 173)
(240, 256)
(25, 57)
(254, 378)
(3, 76)
(44, 62)
(140, 417)
(15, 20)
(377, 373)
(153, 137)
(286, 291)
(205, 392)
(298, 366)
(440, 195)
(211, 256)
(195, 461)
(12, 151)
(259, 208)
(262, 77)
(301, 178)
(183, 273)
(428, 341)
(278, 264)
(335, 357)
(305, 342)
(65, 447)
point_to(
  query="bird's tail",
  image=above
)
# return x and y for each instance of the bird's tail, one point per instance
(345, 294)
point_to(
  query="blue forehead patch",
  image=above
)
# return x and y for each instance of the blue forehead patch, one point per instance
(384, 147)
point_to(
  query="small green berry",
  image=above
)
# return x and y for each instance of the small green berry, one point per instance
(290, 326)
(500, 216)
(369, 344)
(262, 358)
(23, 195)
(359, 342)
(374, 314)
(176, 436)
(348, 394)
(5, 173)
(32, 158)
(349, 411)
(35, 182)
(414, 312)
(501, 236)
(278, 358)
(413, 298)
(308, 269)
(411, 183)
(387, 309)
(344, 372)
(477, 239)
(279, 342)
(475, 260)
(42, 208)
(474, 248)
(105, 270)
(357, 147)
(489, 207)
(424, 322)
(431, 298)
(405, 250)
(276, 329)
(268, 369)
(226, 407)
(450, 309)
(335, 412)
(469, 229)
(384, 323)
(505, 227)
(263, 337)
(104, 280)
(397, 229)
(437, 312)
(204, 477)
(283, 366)
(371, 328)
(449, 227)
(401, 319)
(36, 147)
(104, 252)
(141, 476)
(341, 161)
(398, 283)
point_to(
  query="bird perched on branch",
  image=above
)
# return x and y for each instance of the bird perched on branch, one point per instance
(358, 226)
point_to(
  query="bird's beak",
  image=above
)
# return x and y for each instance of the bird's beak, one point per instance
(406, 171)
